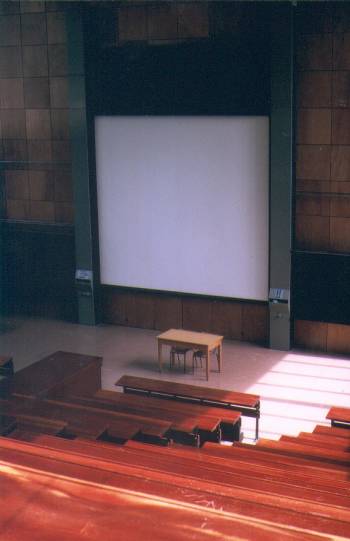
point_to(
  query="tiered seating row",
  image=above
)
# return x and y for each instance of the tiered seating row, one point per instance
(75, 420)
(335, 432)
(293, 489)
(339, 417)
(329, 443)
(209, 479)
(247, 404)
(65, 387)
(57, 375)
(204, 422)
(61, 498)
(116, 418)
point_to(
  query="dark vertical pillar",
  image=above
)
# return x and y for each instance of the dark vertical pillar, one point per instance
(82, 159)
(281, 141)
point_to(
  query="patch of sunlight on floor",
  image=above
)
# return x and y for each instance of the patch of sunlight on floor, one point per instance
(319, 360)
(297, 392)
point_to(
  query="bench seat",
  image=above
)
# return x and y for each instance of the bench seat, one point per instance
(196, 468)
(149, 508)
(253, 505)
(334, 431)
(339, 417)
(178, 421)
(307, 451)
(258, 455)
(209, 422)
(320, 440)
(90, 422)
(247, 404)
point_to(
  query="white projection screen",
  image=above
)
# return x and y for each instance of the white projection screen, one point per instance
(183, 203)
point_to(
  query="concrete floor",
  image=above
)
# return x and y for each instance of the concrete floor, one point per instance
(296, 388)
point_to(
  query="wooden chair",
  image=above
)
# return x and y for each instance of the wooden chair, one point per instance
(198, 356)
(177, 353)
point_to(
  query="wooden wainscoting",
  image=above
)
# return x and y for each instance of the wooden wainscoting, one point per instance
(235, 319)
(319, 336)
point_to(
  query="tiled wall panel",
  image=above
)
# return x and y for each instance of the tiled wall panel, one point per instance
(308, 82)
(312, 232)
(322, 220)
(314, 127)
(36, 93)
(34, 126)
(313, 162)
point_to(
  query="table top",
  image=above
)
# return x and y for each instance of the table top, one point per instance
(190, 337)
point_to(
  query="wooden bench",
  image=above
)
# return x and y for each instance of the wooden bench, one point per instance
(195, 468)
(333, 431)
(339, 417)
(194, 462)
(328, 439)
(58, 374)
(317, 440)
(89, 422)
(306, 451)
(173, 491)
(221, 457)
(84, 420)
(41, 425)
(259, 455)
(151, 506)
(181, 429)
(247, 404)
(208, 422)
(23, 435)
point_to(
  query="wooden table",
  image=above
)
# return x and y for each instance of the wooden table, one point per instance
(193, 340)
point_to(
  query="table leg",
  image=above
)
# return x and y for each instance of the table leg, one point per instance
(208, 361)
(220, 356)
(160, 355)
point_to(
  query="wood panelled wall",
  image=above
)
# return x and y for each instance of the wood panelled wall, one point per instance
(322, 221)
(34, 121)
(236, 320)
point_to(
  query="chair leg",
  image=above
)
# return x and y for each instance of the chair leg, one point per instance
(176, 356)
(197, 356)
